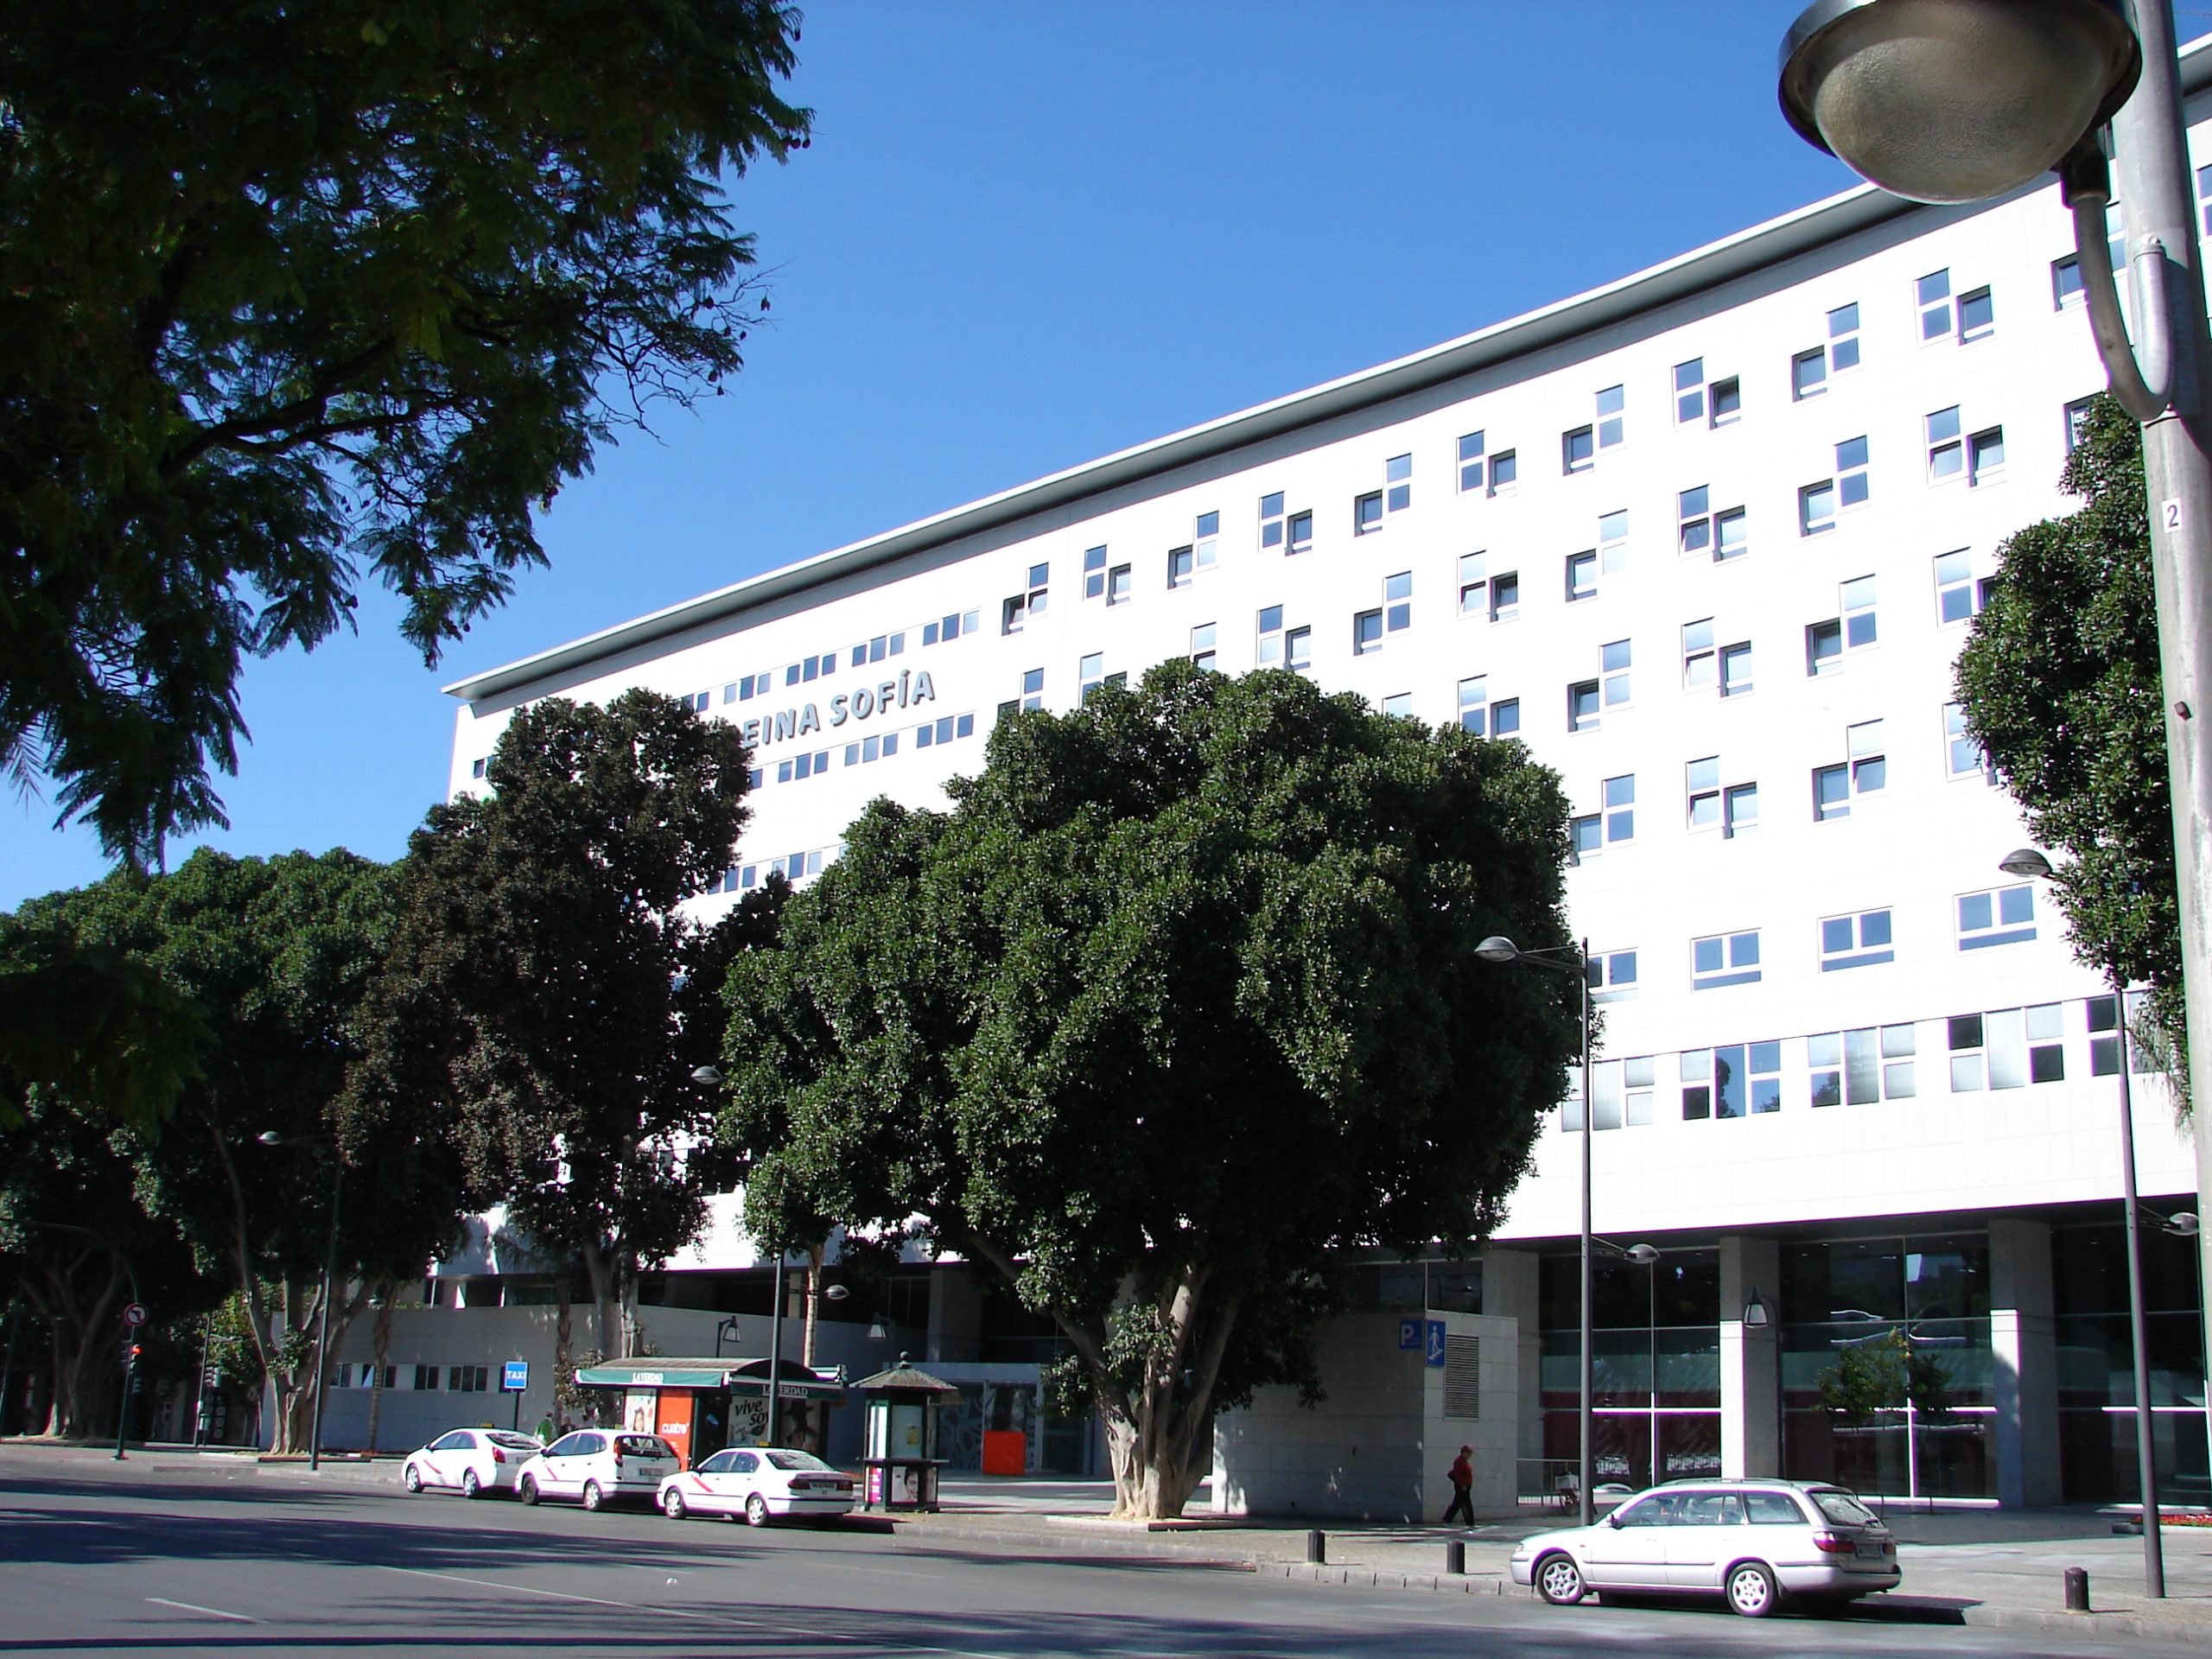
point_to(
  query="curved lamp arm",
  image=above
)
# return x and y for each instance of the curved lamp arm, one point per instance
(2142, 379)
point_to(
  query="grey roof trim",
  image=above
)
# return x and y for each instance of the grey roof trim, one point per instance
(1702, 269)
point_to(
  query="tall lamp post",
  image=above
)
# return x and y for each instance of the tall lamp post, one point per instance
(1961, 100)
(271, 1138)
(1569, 959)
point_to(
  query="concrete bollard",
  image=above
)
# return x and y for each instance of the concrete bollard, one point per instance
(1455, 1555)
(1317, 1548)
(2077, 1590)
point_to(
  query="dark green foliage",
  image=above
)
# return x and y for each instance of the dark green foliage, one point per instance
(95, 1024)
(1178, 998)
(2061, 685)
(539, 1004)
(292, 293)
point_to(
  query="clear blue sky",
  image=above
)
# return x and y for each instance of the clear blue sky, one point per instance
(1030, 234)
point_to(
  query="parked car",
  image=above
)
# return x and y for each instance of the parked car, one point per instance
(470, 1460)
(1751, 1541)
(757, 1483)
(598, 1466)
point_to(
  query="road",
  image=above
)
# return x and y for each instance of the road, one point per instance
(101, 1558)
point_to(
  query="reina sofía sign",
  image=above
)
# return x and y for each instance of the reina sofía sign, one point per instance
(910, 690)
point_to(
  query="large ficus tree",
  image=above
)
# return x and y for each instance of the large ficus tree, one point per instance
(2061, 686)
(1177, 999)
(540, 1004)
(294, 295)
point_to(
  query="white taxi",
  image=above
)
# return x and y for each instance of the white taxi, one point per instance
(759, 1482)
(598, 1466)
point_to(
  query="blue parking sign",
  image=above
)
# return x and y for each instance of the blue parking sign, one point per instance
(514, 1377)
(1409, 1334)
(1436, 1342)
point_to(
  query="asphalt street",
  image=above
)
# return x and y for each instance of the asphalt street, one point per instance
(126, 1559)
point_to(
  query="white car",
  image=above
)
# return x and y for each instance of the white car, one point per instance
(598, 1466)
(1749, 1541)
(470, 1461)
(758, 1482)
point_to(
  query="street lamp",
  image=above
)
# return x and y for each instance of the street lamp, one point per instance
(271, 1138)
(1940, 100)
(2029, 863)
(1569, 959)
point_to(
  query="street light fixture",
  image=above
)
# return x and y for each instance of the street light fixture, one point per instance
(271, 1138)
(2029, 863)
(1570, 959)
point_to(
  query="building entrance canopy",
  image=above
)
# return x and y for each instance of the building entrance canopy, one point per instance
(739, 1376)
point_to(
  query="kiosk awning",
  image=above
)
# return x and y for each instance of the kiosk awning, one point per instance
(741, 1376)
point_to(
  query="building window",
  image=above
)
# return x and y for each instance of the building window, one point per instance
(1862, 1068)
(1202, 649)
(2205, 196)
(1725, 959)
(1474, 471)
(1689, 392)
(1205, 537)
(1958, 595)
(2007, 1048)
(1180, 567)
(1581, 575)
(476, 767)
(883, 646)
(2066, 281)
(1843, 338)
(1701, 663)
(1399, 704)
(1397, 483)
(1505, 597)
(2104, 1036)
(1504, 472)
(1117, 585)
(1817, 508)
(1818, 504)
(1732, 809)
(1474, 704)
(1577, 450)
(1032, 688)
(1962, 756)
(1585, 835)
(946, 730)
(1985, 455)
(1736, 668)
(1809, 373)
(1977, 316)
(1739, 809)
(950, 628)
(1298, 648)
(872, 748)
(1727, 401)
(799, 767)
(1864, 773)
(1860, 941)
(1301, 532)
(2076, 416)
(1582, 706)
(1610, 403)
(2000, 916)
(1270, 629)
(468, 1379)
(1090, 674)
(814, 668)
(1933, 294)
(1397, 602)
(1740, 1080)
(1271, 520)
(1693, 532)
(1612, 541)
(1729, 535)
(1367, 513)
(1823, 646)
(1620, 808)
(1612, 975)
(1614, 660)
(1024, 605)
(1859, 628)
(1366, 632)
(1506, 717)
(426, 1378)
(1094, 572)
(1498, 596)
(1946, 455)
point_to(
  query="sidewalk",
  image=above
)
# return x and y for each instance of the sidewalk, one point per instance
(1989, 1568)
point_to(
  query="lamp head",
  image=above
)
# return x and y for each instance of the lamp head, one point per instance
(1497, 947)
(1756, 1317)
(1642, 1254)
(270, 1138)
(1955, 100)
(835, 1293)
(2184, 1224)
(2025, 862)
(707, 1074)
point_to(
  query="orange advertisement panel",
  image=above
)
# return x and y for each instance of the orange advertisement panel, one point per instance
(675, 1424)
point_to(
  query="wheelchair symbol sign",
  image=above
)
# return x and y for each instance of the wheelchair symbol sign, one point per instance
(1436, 1342)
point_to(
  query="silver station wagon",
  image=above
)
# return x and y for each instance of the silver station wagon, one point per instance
(1752, 1542)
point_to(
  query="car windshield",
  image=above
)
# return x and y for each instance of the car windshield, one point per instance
(790, 1462)
(512, 1440)
(1845, 1509)
(643, 1445)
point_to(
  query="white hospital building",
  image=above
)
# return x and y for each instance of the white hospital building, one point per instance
(1707, 539)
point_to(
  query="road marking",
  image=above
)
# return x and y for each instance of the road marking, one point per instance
(194, 1607)
(886, 1571)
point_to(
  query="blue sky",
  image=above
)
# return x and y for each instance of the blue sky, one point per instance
(1030, 234)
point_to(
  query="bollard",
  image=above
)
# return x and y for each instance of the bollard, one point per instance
(2077, 1590)
(1317, 1547)
(1455, 1555)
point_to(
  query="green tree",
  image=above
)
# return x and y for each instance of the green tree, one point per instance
(538, 1001)
(291, 293)
(2060, 682)
(277, 952)
(97, 1025)
(1178, 998)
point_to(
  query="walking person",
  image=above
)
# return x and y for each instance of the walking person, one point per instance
(1463, 1487)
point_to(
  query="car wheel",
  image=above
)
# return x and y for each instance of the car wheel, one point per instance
(1750, 1589)
(470, 1486)
(413, 1478)
(672, 1504)
(756, 1510)
(594, 1498)
(1558, 1581)
(528, 1491)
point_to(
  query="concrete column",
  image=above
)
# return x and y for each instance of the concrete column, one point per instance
(1511, 1291)
(1750, 1360)
(2023, 1363)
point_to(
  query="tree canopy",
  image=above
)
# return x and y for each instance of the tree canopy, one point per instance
(2061, 686)
(1178, 998)
(539, 1004)
(290, 295)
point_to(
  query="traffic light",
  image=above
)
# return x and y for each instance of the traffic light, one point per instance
(135, 1354)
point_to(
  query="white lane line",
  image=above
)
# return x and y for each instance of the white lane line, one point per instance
(715, 1617)
(194, 1607)
(888, 1572)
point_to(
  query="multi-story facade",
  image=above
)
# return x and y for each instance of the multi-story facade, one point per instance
(1708, 540)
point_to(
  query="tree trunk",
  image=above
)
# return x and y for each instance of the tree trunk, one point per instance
(615, 1339)
(563, 1318)
(1159, 1437)
(813, 1304)
(386, 1290)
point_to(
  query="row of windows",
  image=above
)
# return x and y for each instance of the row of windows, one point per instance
(426, 1379)
(867, 750)
(1999, 1050)
(792, 866)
